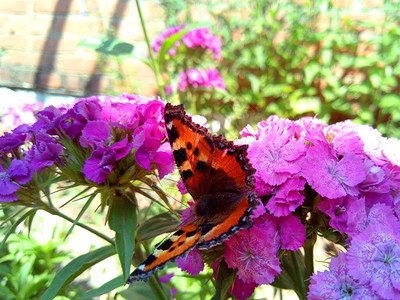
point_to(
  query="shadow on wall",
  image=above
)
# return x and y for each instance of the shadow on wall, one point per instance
(53, 38)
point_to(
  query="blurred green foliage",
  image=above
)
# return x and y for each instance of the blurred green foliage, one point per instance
(295, 58)
(27, 266)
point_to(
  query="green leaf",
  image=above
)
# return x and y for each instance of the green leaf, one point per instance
(391, 101)
(292, 275)
(105, 288)
(75, 267)
(142, 291)
(225, 278)
(157, 225)
(84, 208)
(16, 223)
(171, 40)
(123, 220)
(109, 46)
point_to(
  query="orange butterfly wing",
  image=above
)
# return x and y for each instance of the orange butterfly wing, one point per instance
(182, 241)
(219, 177)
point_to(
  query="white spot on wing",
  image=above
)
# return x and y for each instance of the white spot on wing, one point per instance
(169, 125)
(141, 267)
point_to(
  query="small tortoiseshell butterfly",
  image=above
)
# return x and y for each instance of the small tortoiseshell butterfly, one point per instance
(218, 176)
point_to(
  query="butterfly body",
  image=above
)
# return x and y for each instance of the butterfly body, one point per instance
(218, 176)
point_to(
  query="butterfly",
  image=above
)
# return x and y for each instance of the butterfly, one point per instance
(219, 177)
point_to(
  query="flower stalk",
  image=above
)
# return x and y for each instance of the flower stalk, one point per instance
(154, 63)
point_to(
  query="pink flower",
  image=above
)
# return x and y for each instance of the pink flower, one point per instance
(275, 154)
(332, 177)
(374, 259)
(95, 134)
(19, 172)
(200, 78)
(337, 283)
(287, 198)
(252, 253)
(292, 232)
(191, 262)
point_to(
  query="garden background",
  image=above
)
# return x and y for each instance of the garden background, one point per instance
(335, 59)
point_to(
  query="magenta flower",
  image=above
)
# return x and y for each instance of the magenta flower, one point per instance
(332, 177)
(202, 38)
(239, 288)
(291, 232)
(160, 38)
(11, 141)
(181, 187)
(87, 109)
(377, 186)
(252, 253)
(274, 153)
(200, 78)
(191, 262)
(102, 161)
(44, 152)
(95, 134)
(337, 283)
(19, 172)
(374, 260)
(119, 114)
(194, 39)
(287, 197)
(99, 165)
(344, 138)
(147, 142)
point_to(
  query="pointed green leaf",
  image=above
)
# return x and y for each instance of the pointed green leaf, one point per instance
(142, 290)
(123, 220)
(171, 40)
(157, 225)
(16, 223)
(74, 268)
(84, 208)
(105, 288)
(225, 278)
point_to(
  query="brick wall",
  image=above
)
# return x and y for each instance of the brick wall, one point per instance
(39, 45)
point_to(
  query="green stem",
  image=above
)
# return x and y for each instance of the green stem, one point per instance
(156, 68)
(309, 259)
(56, 212)
(157, 288)
(154, 282)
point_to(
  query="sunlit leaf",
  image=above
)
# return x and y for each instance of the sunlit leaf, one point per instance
(75, 267)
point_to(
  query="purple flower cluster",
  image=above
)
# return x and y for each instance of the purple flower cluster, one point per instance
(98, 131)
(23, 113)
(17, 174)
(370, 269)
(199, 38)
(198, 78)
(353, 173)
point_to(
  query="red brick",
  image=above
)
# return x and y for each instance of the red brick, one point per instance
(71, 82)
(14, 6)
(79, 25)
(39, 24)
(65, 45)
(5, 75)
(21, 58)
(63, 7)
(49, 80)
(74, 64)
(98, 84)
(20, 42)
